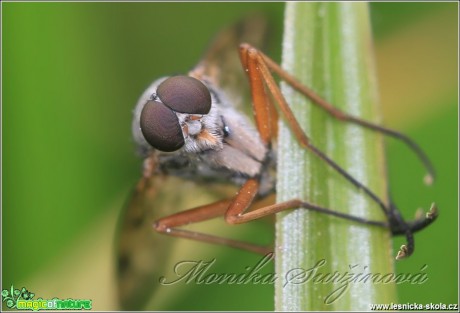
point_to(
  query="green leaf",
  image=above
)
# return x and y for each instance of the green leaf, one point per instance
(328, 47)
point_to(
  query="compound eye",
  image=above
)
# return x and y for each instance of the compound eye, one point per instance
(160, 127)
(185, 94)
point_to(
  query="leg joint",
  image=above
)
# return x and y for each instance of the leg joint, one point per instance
(232, 219)
(160, 227)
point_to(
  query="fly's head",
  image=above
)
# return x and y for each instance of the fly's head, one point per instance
(195, 131)
(178, 113)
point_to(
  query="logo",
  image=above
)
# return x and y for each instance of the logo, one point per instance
(22, 299)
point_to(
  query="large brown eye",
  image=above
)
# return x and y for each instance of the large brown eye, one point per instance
(185, 94)
(160, 127)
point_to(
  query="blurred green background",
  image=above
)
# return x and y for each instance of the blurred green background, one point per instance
(72, 73)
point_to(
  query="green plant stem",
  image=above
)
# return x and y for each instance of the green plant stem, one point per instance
(328, 46)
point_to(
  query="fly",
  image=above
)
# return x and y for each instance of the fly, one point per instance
(188, 126)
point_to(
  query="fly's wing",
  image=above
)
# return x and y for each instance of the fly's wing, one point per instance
(221, 63)
(138, 251)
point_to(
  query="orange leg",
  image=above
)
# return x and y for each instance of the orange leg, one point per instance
(235, 213)
(258, 66)
(170, 226)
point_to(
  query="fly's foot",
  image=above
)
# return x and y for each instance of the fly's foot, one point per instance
(433, 212)
(402, 253)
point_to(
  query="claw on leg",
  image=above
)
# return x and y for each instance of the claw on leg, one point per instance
(402, 253)
(433, 212)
